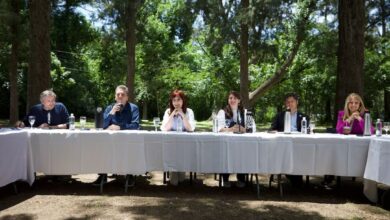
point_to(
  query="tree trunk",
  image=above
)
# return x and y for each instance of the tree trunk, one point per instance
(386, 89)
(13, 63)
(131, 16)
(244, 78)
(328, 110)
(387, 105)
(144, 111)
(39, 78)
(350, 59)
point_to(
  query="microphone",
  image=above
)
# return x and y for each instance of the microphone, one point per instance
(238, 122)
(48, 118)
(99, 118)
(121, 106)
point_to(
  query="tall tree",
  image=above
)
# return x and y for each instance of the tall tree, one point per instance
(13, 60)
(350, 59)
(39, 77)
(383, 15)
(244, 73)
(130, 20)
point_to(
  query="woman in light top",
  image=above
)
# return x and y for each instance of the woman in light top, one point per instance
(351, 119)
(233, 116)
(178, 118)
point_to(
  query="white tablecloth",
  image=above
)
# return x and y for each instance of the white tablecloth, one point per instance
(81, 152)
(136, 152)
(378, 166)
(15, 157)
(265, 153)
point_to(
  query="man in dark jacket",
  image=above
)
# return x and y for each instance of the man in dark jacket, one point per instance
(291, 103)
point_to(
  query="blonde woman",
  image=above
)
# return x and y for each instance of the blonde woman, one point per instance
(351, 119)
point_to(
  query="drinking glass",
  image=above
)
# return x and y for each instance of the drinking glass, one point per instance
(156, 122)
(31, 120)
(346, 128)
(312, 126)
(83, 121)
(386, 127)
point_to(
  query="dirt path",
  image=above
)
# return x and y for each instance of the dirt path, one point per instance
(150, 199)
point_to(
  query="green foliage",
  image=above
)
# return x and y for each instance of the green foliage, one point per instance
(194, 46)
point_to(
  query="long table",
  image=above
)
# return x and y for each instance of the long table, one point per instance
(15, 157)
(136, 152)
(378, 166)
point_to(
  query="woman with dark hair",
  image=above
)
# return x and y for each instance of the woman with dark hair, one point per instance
(233, 112)
(178, 117)
(178, 114)
(233, 116)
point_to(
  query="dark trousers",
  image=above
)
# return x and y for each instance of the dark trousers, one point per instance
(296, 180)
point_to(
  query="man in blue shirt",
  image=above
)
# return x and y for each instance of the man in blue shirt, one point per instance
(48, 114)
(121, 115)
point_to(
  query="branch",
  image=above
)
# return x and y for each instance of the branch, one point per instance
(278, 76)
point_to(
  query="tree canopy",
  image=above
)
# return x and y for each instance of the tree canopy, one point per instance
(193, 45)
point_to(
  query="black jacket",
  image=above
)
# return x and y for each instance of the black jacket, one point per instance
(278, 123)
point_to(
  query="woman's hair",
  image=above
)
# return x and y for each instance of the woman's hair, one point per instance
(228, 109)
(361, 109)
(180, 94)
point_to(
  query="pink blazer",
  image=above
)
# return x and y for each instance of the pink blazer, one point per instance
(356, 125)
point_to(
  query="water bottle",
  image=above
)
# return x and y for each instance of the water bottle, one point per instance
(287, 122)
(215, 124)
(179, 124)
(304, 126)
(367, 124)
(71, 121)
(378, 127)
(249, 122)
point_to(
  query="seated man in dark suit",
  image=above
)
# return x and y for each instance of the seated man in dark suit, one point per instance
(48, 114)
(291, 102)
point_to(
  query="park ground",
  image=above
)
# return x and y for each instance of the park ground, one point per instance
(203, 199)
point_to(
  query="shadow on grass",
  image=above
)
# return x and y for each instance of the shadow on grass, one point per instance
(18, 216)
(215, 209)
(8, 198)
(349, 192)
